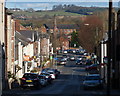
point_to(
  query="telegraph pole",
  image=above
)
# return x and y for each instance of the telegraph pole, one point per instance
(55, 37)
(55, 33)
(109, 49)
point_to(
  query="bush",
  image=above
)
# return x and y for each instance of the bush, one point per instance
(11, 75)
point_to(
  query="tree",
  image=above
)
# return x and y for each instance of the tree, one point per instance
(74, 40)
(90, 33)
(30, 10)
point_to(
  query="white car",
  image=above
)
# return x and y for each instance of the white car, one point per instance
(65, 52)
(53, 75)
(72, 58)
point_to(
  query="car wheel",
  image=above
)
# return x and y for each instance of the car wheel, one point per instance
(23, 87)
(85, 88)
(38, 87)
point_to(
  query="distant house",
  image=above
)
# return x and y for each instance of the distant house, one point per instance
(20, 27)
(45, 45)
(62, 32)
(63, 28)
(15, 9)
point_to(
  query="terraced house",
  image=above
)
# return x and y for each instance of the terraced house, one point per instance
(62, 33)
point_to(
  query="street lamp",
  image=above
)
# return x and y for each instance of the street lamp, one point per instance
(109, 49)
(86, 24)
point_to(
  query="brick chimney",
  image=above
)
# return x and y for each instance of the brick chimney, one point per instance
(17, 25)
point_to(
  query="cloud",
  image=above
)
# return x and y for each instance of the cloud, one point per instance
(35, 5)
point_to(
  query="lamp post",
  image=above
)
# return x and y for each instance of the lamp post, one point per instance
(109, 49)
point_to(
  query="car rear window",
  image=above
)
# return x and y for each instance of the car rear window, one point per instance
(41, 77)
(92, 78)
(30, 76)
(50, 72)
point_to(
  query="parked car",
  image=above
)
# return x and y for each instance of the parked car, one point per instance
(78, 62)
(30, 80)
(72, 58)
(89, 62)
(53, 72)
(92, 67)
(43, 80)
(53, 75)
(79, 57)
(73, 51)
(77, 52)
(57, 61)
(65, 51)
(47, 76)
(63, 62)
(65, 58)
(93, 81)
(56, 72)
(45, 70)
(59, 52)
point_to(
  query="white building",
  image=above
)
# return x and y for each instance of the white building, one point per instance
(103, 70)
(2, 42)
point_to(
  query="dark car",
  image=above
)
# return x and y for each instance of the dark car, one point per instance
(92, 67)
(62, 61)
(48, 77)
(89, 62)
(78, 62)
(93, 81)
(58, 59)
(43, 80)
(45, 70)
(30, 80)
(57, 72)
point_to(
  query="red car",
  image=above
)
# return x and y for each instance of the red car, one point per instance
(91, 67)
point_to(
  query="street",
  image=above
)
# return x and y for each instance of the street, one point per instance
(68, 83)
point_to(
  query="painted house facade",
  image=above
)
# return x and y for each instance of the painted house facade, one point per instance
(2, 45)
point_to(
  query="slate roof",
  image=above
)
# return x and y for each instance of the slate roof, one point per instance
(29, 33)
(62, 26)
(21, 38)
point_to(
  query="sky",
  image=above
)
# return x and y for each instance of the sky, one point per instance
(43, 4)
(61, 0)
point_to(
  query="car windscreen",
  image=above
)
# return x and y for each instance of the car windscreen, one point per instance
(45, 74)
(32, 76)
(51, 72)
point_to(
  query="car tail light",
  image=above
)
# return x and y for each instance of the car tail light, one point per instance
(23, 79)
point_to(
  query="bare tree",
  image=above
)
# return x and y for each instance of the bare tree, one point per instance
(90, 32)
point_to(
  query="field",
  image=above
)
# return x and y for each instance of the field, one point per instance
(45, 13)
